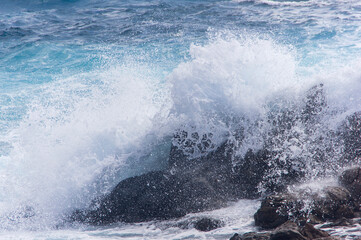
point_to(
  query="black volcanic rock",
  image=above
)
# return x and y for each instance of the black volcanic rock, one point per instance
(310, 232)
(331, 203)
(351, 136)
(250, 172)
(274, 211)
(351, 180)
(205, 183)
(251, 236)
(220, 175)
(236, 236)
(207, 224)
(155, 195)
(287, 231)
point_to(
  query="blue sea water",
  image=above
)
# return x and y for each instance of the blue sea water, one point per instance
(91, 92)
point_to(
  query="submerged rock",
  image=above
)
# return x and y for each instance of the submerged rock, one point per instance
(251, 236)
(207, 224)
(339, 222)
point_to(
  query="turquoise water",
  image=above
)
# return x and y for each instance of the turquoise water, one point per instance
(91, 91)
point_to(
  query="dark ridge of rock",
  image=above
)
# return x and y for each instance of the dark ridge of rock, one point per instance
(315, 103)
(217, 168)
(155, 195)
(177, 159)
(250, 172)
(221, 157)
(350, 133)
(283, 168)
(208, 182)
(207, 224)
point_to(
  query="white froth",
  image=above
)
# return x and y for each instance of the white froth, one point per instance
(79, 129)
(232, 73)
(85, 133)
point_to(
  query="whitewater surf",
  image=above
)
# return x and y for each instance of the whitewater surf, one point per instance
(95, 92)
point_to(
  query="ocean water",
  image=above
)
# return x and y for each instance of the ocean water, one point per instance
(92, 91)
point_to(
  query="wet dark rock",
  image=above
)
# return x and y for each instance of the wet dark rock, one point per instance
(194, 184)
(283, 168)
(274, 210)
(236, 237)
(351, 132)
(207, 224)
(331, 203)
(287, 231)
(314, 104)
(313, 219)
(339, 222)
(155, 195)
(251, 171)
(177, 159)
(310, 232)
(205, 183)
(334, 204)
(251, 236)
(220, 176)
(351, 180)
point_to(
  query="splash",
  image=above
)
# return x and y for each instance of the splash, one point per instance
(228, 82)
(81, 136)
(85, 133)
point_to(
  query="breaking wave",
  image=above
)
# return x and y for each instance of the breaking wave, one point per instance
(85, 133)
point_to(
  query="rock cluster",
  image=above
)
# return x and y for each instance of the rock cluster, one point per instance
(195, 184)
(291, 215)
(287, 231)
(331, 203)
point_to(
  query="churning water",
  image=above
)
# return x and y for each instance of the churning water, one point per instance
(91, 92)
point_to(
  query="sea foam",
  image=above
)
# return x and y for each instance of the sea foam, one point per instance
(85, 133)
